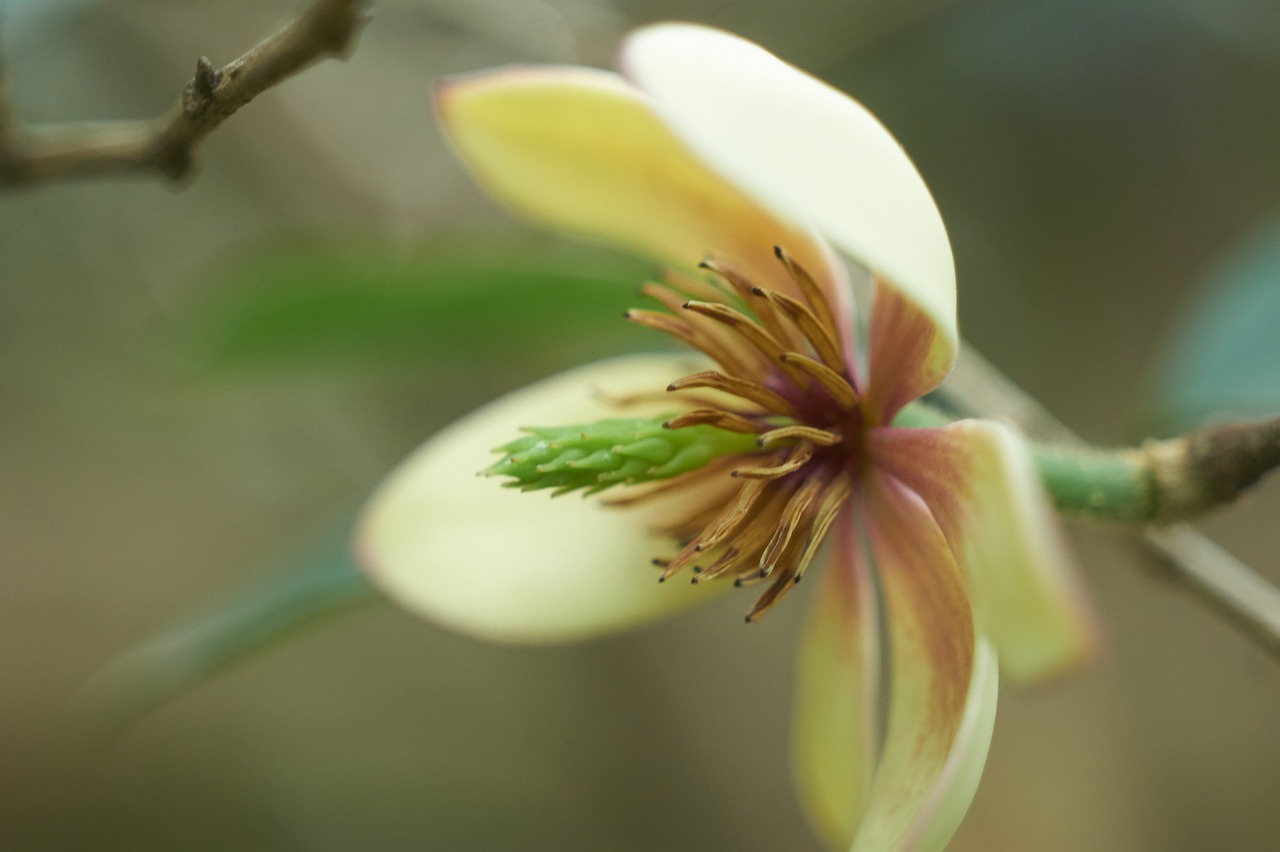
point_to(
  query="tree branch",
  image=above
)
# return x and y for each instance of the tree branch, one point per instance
(164, 146)
(1227, 585)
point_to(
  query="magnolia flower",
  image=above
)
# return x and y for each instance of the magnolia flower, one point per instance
(937, 539)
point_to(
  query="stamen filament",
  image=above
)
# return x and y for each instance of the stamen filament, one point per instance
(757, 336)
(841, 391)
(813, 294)
(820, 437)
(799, 458)
(712, 338)
(832, 501)
(818, 335)
(797, 508)
(692, 479)
(719, 418)
(781, 332)
(733, 517)
(750, 391)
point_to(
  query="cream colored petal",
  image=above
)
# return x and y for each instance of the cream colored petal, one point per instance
(941, 686)
(582, 151)
(808, 151)
(835, 737)
(522, 567)
(979, 479)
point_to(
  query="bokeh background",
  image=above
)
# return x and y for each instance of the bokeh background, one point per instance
(1094, 159)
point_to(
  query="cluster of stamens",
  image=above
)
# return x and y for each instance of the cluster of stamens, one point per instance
(783, 377)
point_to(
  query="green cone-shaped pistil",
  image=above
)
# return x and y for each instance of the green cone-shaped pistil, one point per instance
(596, 456)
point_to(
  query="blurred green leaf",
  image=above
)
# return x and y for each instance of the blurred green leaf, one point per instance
(1225, 360)
(314, 580)
(461, 303)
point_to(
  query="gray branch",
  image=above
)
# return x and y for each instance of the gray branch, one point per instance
(165, 146)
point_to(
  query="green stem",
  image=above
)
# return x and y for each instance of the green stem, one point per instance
(1110, 485)
(1128, 486)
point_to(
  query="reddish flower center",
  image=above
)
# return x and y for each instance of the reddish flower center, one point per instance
(759, 517)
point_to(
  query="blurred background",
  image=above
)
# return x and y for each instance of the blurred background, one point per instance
(199, 385)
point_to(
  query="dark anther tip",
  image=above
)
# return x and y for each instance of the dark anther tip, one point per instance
(757, 291)
(778, 252)
(662, 578)
(737, 584)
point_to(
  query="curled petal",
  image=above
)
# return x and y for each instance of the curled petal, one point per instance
(517, 567)
(582, 151)
(836, 710)
(979, 480)
(902, 360)
(941, 687)
(807, 150)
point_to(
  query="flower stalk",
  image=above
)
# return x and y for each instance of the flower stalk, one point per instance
(1159, 482)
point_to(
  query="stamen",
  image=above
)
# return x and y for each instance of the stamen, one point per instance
(820, 437)
(782, 585)
(741, 553)
(704, 289)
(830, 506)
(691, 480)
(799, 458)
(797, 508)
(750, 391)
(733, 517)
(833, 383)
(623, 400)
(728, 350)
(770, 319)
(813, 294)
(740, 323)
(717, 417)
(729, 275)
(818, 335)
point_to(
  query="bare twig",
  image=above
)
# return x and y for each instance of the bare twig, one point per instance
(1226, 584)
(164, 146)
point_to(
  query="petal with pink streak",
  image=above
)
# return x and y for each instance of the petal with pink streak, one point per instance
(980, 482)
(835, 736)
(942, 683)
(903, 363)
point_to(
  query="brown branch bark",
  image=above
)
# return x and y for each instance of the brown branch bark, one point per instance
(1219, 580)
(165, 146)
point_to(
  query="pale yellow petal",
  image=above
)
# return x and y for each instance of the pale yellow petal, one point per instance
(808, 151)
(582, 151)
(836, 707)
(979, 479)
(522, 567)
